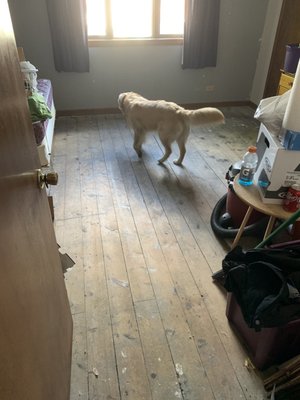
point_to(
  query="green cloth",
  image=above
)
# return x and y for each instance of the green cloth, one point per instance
(39, 110)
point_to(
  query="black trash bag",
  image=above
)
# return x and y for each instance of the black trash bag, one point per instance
(286, 258)
(266, 284)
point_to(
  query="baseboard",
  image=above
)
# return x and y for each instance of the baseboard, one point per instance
(220, 104)
(252, 105)
(87, 111)
(192, 106)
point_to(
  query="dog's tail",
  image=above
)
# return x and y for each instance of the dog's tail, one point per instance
(121, 99)
(204, 116)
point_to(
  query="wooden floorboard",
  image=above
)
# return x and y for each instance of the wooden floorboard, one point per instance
(149, 323)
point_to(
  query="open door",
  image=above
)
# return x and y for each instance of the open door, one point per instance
(35, 319)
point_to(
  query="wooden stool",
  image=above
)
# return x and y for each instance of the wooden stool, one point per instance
(250, 196)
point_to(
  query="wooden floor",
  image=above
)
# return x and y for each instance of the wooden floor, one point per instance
(149, 323)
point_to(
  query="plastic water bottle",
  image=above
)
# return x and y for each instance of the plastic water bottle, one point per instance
(248, 167)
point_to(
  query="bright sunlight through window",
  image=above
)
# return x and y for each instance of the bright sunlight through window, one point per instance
(171, 17)
(131, 18)
(96, 20)
(135, 18)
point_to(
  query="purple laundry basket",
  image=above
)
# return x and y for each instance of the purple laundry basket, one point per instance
(292, 55)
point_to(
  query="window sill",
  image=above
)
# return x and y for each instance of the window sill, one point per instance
(134, 42)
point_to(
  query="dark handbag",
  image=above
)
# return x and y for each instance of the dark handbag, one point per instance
(266, 284)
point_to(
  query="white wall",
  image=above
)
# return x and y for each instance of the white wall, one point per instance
(154, 71)
(263, 62)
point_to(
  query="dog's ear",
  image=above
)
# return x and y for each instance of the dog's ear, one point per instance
(121, 99)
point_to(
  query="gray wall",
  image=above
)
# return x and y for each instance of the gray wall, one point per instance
(154, 71)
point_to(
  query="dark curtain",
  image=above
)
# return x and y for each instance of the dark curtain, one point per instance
(201, 33)
(67, 19)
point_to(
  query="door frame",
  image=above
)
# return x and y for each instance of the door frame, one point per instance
(288, 31)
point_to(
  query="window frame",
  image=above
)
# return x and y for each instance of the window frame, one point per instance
(156, 38)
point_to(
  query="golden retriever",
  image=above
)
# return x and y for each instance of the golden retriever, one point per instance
(171, 121)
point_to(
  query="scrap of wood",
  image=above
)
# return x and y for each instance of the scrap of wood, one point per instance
(288, 385)
(65, 259)
(286, 378)
(284, 373)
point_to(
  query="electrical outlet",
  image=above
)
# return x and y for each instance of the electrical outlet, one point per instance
(209, 88)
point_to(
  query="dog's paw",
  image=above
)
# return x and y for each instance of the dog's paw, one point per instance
(138, 151)
(177, 162)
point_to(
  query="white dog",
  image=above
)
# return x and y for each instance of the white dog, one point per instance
(171, 121)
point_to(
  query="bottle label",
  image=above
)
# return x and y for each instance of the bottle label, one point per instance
(247, 174)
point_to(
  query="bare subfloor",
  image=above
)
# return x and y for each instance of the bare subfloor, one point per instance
(149, 323)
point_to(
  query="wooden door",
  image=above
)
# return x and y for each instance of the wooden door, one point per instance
(35, 319)
(288, 31)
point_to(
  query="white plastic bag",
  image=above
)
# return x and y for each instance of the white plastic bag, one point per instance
(30, 75)
(270, 112)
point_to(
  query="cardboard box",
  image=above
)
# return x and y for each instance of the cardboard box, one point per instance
(277, 168)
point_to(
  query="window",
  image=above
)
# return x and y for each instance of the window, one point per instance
(135, 19)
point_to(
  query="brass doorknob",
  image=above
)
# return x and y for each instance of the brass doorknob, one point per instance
(48, 178)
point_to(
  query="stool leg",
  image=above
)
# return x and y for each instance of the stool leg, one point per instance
(286, 223)
(269, 226)
(242, 227)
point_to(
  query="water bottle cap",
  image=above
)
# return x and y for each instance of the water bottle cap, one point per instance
(252, 149)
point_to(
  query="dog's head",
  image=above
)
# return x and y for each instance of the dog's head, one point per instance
(127, 99)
